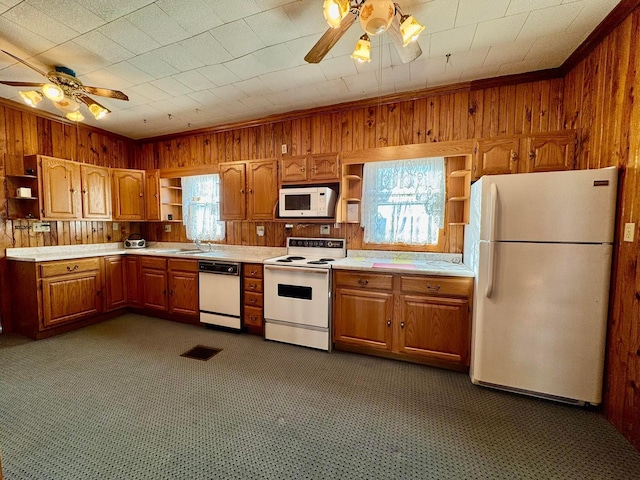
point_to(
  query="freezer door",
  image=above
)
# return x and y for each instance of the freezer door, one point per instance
(572, 206)
(543, 327)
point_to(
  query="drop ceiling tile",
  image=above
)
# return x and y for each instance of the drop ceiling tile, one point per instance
(237, 38)
(109, 10)
(277, 57)
(73, 56)
(307, 74)
(206, 49)
(451, 41)
(273, 26)
(38, 22)
(179, 57)
(153, 21)
(552, 49)
(253, 87)
(394, 74)
(230, 10)
(444, 79)
(471, 12)
(299, 47)
(172, 86)
(501, 30)
(246, 67)
(591, 14)
(194, 80)
(228, 93)
(437, 15)
(129, 36)
(151, 92)
(520, 6)
(257, 102)
(129, 72)
(338, 67)
(279, 81)
(518, 67)
(100, 44)
(153, 65)
(104, 78)
(419, 70)
(377, 54)
(362, 83)
(220, 75)
(307, 18)
(268, 4)
(204, 97)
(186, 103)
(13, 35)
(550, 20)
(195, 16)
(475, 58)
(82, 20)
(508, 53)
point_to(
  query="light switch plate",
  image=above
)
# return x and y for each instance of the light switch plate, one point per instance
(629, 232)
(325, 229)
(283, 148)
(115, 225)
(260, 230)
(41, 227)
(167, 228)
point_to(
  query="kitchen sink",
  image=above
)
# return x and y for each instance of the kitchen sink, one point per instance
(189, 252)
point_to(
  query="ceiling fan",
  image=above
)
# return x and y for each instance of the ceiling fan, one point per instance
(376, 17)
(65, 91)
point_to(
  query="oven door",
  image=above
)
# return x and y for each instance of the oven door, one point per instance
(297, 295)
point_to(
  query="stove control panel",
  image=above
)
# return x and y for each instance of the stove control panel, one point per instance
(316, 242)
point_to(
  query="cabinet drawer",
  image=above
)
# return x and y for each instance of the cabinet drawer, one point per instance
(440, 286)
(252, 270)
(252, 285)
(253, 299)
(153, 262)
(252, 317)
(183, 265)
(364, 280)
(52, 269)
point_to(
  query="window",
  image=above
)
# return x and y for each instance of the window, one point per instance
(201, 207)
(403, 201)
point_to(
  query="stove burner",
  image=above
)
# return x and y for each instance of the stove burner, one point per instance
(327, 260)
(284, 260)
(295, 258)
(316, 262)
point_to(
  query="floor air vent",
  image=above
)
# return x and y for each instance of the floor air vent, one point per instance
(201, 352)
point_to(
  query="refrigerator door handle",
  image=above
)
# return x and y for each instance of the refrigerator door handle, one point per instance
(492, 237)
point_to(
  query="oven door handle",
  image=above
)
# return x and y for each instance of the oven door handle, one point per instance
(322, 271)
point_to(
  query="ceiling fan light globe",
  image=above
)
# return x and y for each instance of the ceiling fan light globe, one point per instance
(31, 98)
(376, 16)
(75, 116)
(362, 52)
(52, 92)
(98, 111)
(67, 105)
(410, 29)
(334, 11)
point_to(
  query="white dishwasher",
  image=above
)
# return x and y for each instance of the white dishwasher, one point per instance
(219, 291)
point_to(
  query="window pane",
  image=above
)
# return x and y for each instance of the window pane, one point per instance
(201, 207)
(403, 201)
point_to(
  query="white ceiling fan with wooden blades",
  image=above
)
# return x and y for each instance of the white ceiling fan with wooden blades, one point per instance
(376, 17)
(65, 91)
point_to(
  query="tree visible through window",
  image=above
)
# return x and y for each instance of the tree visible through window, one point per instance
(403, 201)
(201, 207)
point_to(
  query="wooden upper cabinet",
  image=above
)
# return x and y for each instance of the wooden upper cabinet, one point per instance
(262, 189)
(496, 156)
(314, 168)
(96, 192)
(60, 189)
(552, 151)
(232, 191)
(128, 194)
(152, 194)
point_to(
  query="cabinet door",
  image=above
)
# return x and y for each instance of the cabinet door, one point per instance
(152, 194)
(132, 280)
(60, 189)
(363, 318)
(553, 151)
(183, 293)
(115, 282)
(496, 156)
(128, 194)
(262, 190)
(70, 297)
(436, 328)
(96, 192)
(232, 191)
(324, 167)
(294, 169)
(154, 289)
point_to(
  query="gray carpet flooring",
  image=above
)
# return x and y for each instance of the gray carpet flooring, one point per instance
(117, 401)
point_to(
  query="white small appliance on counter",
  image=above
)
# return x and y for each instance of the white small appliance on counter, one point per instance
(135, 241)
(307, 202)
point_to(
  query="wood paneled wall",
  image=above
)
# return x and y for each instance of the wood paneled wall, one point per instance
(601, 99)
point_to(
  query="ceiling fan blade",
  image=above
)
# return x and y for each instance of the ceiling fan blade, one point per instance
(411, 51)
(44, 74)
(105, 92)
(329, 39)
(22, 84)
(88, 101)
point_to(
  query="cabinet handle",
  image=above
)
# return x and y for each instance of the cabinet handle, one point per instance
(251, 190)
(71, 269)
(514, 156)
(303, 168)
(253, 272)
(252, 286)
(388, 323)
(84, 191)
(362, 282)
(242, 191)
(155, 195)
(532, 155)
(433, 288)
(401, 324)
(252, 300)
(164, 292)
(170, 292)
(314, 169)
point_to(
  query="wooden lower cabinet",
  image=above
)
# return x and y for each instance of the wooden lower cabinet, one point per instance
(153, 278)
(115, 285)
(183, 287)
(253, 300)
(417, 318)
(132, 276)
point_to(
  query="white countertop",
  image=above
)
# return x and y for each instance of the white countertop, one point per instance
(373, 260)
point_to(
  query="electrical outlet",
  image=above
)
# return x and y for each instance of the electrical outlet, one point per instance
(325, 229)
(629, 232)
(167, 228)
(115, 225)
(41, 227)
(283, 147)
(260, 230)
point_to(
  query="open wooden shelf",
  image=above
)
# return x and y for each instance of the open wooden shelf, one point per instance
(458, 171)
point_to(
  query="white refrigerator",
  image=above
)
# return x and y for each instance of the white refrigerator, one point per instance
(540, 245)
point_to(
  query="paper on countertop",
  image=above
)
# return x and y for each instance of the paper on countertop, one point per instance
(399, 264)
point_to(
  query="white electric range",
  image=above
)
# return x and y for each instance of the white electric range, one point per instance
(297, 292)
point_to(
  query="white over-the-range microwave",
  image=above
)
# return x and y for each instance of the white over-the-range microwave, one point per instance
(307, 202)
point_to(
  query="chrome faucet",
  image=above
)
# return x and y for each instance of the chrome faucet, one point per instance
(200, 245)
